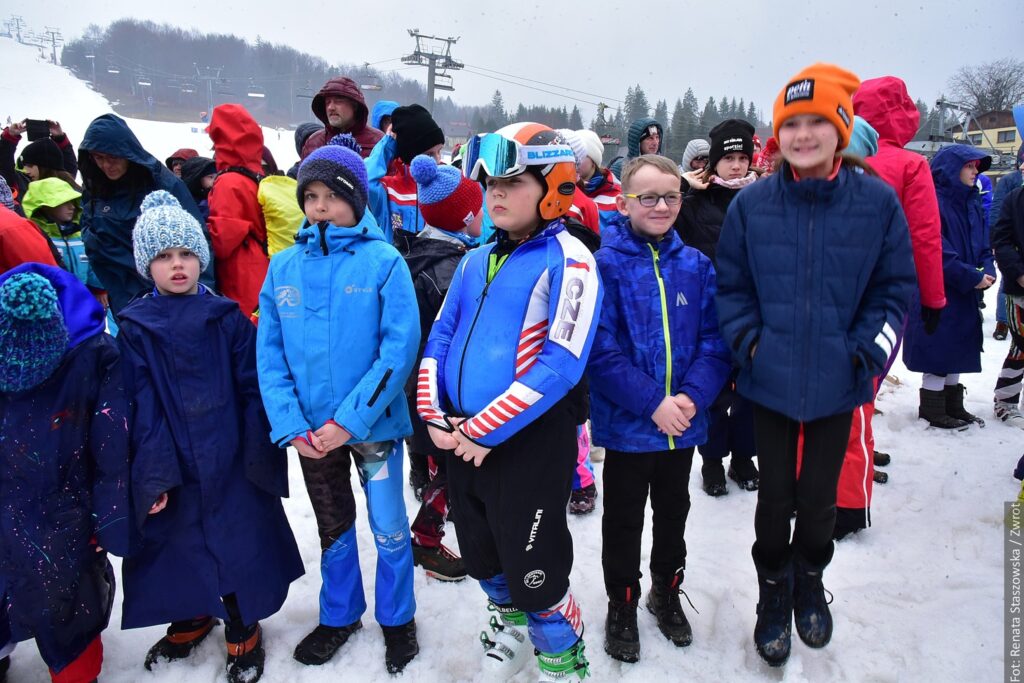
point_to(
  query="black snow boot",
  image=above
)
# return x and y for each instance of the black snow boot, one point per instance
(743, 471)
(773, 632)
(933, 409)
(182, 638)
(713, 474)
(810, 607)
(322, 642)
(955, 405)
(5, 664)
(400, 645)
(882, 459)
(621, 635)
(245, 655)
(663, 603)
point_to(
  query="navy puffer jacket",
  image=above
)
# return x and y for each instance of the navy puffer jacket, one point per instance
(817, 275)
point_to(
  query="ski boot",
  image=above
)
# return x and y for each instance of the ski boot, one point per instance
(506, 648)
(562, 666)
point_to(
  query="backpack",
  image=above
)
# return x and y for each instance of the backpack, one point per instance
(281, 212)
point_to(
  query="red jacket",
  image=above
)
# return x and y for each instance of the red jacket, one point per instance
(885, 104)
(237, 227)
(367, 136)
(21, 242)
(585, 211)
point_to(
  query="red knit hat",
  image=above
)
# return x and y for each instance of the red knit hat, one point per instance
(447, 199)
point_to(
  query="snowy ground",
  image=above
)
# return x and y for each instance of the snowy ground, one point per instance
(917, 598)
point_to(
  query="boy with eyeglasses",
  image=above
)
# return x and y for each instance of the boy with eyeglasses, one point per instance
(657, 365)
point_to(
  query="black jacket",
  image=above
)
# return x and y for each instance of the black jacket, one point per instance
(1008, 241)
(701, 216)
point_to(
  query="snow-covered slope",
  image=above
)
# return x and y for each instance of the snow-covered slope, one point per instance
(33, 88)
(917, 598)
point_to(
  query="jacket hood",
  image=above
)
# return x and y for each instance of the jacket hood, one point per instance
(886, 105)
(342, 86)
(83, 315)
(380, 110)
(185, 153)
(152, 315)
(193, 171)
(337, 238)
(946, 166)
(110, 134)
(426, 251)
(50, 192)
(635, 130)
(237, 138)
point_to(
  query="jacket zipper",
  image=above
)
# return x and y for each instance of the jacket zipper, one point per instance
(807, 306)
(476, 316)
(665, 332)
(380, 388)
(323, 237)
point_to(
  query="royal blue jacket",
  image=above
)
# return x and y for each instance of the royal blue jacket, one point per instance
(107, 221)
(506, 348)
(657, 337)
(817, 275)
(64, 485)
(966, 257)
(338, 334)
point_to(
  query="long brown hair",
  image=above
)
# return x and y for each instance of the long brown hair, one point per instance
(45, 172)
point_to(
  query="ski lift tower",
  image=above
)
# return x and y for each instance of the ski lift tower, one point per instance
(434, 58)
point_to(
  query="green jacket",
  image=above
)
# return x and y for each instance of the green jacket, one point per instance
(50, 193)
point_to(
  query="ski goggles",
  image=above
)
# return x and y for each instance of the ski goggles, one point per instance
(497, 156)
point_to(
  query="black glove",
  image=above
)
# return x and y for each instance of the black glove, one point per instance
(930, 316)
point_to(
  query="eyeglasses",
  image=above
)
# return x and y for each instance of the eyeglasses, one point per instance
(651, 200)
(702, 157)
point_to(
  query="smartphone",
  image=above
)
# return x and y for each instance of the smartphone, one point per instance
(37, 129)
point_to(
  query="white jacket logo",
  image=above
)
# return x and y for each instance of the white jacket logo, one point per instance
(681, 299)
(533, 529)
(287, 296)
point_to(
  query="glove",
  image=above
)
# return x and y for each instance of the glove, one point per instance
(930, 316)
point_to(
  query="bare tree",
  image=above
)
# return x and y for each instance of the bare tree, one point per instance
(993, 85)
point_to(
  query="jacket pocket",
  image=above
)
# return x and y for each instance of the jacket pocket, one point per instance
(380, 388)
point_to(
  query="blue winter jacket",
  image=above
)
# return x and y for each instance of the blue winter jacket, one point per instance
(1007, 184)
(657, 336)
(505, 349)
(380, 110)
(338, 334)
(817, 274)
(107, 222)
(64, 485)
(394, 202)
(966, 257)
(199, 434)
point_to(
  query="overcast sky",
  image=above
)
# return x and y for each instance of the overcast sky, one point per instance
(743, 48)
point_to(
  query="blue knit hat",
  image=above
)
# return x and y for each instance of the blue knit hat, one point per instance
(447, 199)
(33, 337)
(163, 224)
(338, 166)
(863, 139)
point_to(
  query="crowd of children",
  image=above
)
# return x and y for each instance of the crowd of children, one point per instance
(747, 303)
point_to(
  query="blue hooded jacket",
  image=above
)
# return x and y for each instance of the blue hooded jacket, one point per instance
(657, 336)
(107, 221)
(817, 274)
(966, 257)
(380, 110)
(64, 485)
(338, 334)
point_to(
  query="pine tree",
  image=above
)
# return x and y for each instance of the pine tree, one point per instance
(677, 139)
(641, 106)
(575, 119)
(708, 118)
(691, 110)
(734, 109)
(741, 110)
(497, 114)
(723, 109)
(752, 115)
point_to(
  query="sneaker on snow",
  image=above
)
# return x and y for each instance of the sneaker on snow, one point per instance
(583, 501)
(743, 471)
(880, 477)
(245, 660)
(322, 642)
(1009, 413)
(713, 474)
(179, 643)
(400, 645)
(439, 563)
(506, 648)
